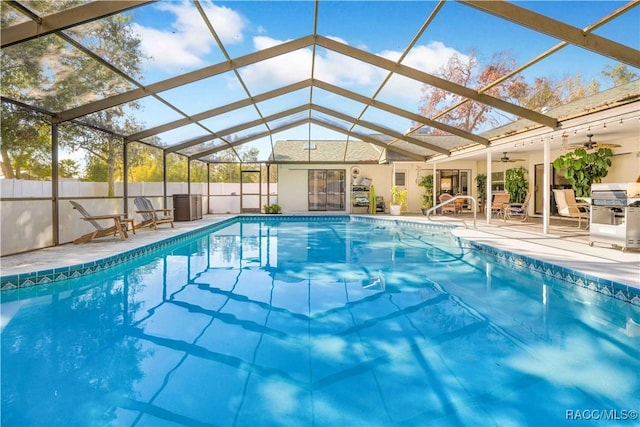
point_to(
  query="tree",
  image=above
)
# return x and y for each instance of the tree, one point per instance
(48, 73)
(25, 134)
(228, 168)
(25, 147)
(618, 74)
(543, 93)
(114, 39)
(468, 72)
(145, 163)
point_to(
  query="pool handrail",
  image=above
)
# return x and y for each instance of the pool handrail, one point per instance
(451, 200)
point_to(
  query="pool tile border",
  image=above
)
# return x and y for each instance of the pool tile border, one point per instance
(512, 260)
(607, 287)
(43, 277)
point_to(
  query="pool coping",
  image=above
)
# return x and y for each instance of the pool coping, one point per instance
(617, 290)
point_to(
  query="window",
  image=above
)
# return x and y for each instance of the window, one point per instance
(497, 181)
(399, 180)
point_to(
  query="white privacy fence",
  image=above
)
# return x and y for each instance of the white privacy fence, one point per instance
(28, 224)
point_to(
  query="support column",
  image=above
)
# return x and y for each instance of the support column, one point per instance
(208, 187)
(188, 175)
(546, 192)
(488, 189)
(125, 179)
(433, 191)
(55, 172)
(268, 182)
(164, 178)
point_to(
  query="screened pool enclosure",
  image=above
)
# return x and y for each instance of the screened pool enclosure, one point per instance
(105, 101)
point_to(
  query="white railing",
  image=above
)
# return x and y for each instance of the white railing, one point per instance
(452, 200)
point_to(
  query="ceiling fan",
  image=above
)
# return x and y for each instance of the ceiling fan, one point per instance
(589, 145)
(505, 159)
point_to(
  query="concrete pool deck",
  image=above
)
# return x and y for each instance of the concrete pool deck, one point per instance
(565, 246)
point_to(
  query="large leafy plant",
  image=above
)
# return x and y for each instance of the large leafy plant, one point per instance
(582, 168)
(481, 186)
(399, 197)
(516, 184)
(427, 183)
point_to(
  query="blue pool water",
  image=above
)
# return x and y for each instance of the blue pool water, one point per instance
(323, 323)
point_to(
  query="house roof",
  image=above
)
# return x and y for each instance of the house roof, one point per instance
(399, 150)
(324, 151)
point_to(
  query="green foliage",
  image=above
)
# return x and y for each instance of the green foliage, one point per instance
(274, 208)
(46, 73)
(619, 74)
(516, 184)
(481, 186)
(399, 197)
(427, 198)
(582, 168)
(228, 168)
(25, 145)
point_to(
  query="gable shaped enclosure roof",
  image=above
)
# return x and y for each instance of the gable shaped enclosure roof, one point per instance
(414, 80)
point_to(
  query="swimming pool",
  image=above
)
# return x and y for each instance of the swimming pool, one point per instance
(318, 322)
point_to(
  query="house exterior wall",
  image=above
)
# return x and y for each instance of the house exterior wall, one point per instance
(293, 184)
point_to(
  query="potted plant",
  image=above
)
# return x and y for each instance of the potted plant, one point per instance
(272, 209)
(582, 168)
(516, 184)
(398, 200)
(481, 186)
(427, 198)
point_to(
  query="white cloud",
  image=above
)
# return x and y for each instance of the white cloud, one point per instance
(428, 58)
(342, 70)
(188, 40)
(284, 69)
(330, 66)
(168, 51)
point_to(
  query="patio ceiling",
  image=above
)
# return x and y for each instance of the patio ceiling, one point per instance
(251, 117)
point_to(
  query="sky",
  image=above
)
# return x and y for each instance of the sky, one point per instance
(175, 40)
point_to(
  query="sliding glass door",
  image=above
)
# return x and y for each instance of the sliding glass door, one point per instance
(326, 189)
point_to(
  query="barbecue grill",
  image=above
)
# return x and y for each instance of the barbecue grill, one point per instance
(615, 214)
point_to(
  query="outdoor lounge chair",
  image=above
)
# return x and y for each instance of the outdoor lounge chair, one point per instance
(119, 224)
(518, 209)
(151, 216)
(500, 203)
(449, 207)
(568, 207)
